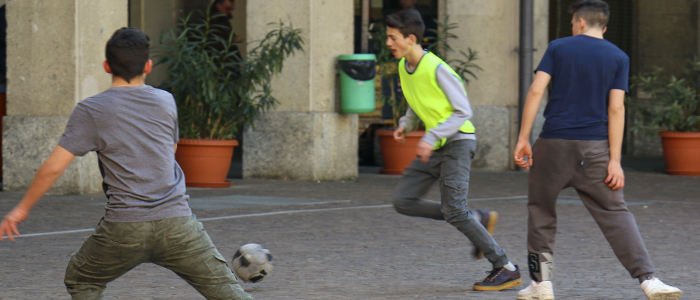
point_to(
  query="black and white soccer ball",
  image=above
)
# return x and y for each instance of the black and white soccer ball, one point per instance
(252, 263)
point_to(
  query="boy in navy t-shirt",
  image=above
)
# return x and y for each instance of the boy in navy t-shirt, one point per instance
(580, 147)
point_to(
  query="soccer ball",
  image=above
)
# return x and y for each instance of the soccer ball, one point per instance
(252, 263)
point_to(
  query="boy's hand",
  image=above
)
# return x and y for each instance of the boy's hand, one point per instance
(522, 149)
(400, 134)
(9, 224)
(424, 150)
(616, 177)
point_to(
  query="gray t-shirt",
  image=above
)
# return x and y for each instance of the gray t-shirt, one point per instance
(133, 130)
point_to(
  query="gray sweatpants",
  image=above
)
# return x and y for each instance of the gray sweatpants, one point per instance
(450, 166)
(179, 244)
(559, 164)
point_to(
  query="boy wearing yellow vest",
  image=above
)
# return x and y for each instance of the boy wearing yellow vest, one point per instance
(435, 94)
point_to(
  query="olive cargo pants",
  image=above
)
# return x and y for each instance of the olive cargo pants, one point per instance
(179, 244)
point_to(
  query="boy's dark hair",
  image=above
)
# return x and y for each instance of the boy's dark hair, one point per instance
(407, 21)
(127, 52)
(595, 12)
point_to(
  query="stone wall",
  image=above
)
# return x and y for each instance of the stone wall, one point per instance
(55, 51)
(304, 138)
(492, 28)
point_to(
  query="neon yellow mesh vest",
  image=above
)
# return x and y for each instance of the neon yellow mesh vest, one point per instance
(425, 96)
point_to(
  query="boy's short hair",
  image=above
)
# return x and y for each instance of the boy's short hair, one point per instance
(595, 12)
(407, 21)
(127, 52)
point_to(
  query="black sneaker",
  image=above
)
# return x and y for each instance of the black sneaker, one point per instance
(499, 279)
(488, 220)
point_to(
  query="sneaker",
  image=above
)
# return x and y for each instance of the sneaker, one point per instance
(488, 219)
(537, 291)
(499, 279)
(655, 289)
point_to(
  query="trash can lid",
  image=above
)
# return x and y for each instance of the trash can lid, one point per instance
(358, 56)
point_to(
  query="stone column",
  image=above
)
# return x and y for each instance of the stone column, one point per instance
(55, 51)
(492, 29)
(305, 138)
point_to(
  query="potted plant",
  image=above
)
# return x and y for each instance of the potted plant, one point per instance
(217, 92)
(397, 156)
(672, 108)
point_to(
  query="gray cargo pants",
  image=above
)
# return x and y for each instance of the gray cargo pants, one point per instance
(583, 165)
(450, 166)
(179, 244)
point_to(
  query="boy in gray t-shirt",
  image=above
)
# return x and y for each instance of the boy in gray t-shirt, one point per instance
(133, 128)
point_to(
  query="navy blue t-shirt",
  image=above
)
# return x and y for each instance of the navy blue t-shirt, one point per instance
(584, 69)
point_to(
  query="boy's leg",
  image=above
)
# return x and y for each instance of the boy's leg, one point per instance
(454, 186)
(185, 248)
(609, 209)
(549, 174)
(112, 250)
(417, 179)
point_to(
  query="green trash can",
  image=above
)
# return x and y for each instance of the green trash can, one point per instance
(357, 73)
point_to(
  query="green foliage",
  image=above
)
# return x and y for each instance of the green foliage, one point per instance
(673, 104)
(439, 44)
(384, 57)
(216, 91)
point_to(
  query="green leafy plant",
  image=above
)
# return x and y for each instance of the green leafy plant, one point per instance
(216, 91)
(668, 103)
(439, 44)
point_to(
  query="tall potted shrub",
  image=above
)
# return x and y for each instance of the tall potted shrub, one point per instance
(397, 156)
(217, 92)
(672, 109)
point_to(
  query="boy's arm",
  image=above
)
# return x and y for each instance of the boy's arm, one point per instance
(532, 105)
(405, 125)
(45, 177)
(408, 120)
(616, 128)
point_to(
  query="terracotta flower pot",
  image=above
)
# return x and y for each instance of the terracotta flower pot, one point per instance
(681, 152)
(397, 156)
(205, 162)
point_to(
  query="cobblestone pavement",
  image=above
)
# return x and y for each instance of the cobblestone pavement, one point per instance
(355, 246)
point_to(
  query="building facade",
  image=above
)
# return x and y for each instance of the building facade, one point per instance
(55, 51)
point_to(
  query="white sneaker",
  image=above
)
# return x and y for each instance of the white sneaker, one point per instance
(657, 290)
(537, 291)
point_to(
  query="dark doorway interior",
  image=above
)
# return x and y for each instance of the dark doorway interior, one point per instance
(619, 27)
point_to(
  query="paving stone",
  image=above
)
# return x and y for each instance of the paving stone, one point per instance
(348, 243)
